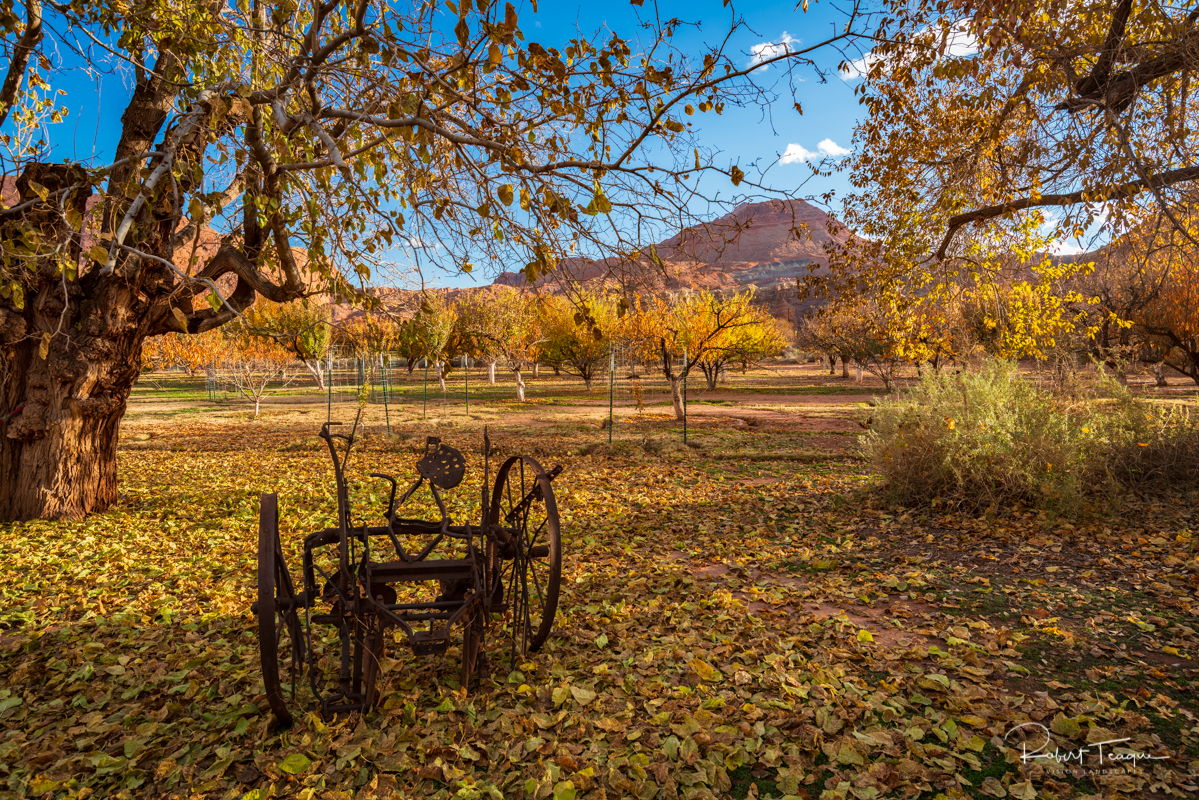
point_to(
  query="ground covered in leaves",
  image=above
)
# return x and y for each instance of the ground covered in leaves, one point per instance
(739, 618)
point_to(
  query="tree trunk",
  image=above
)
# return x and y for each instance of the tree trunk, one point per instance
(535, 368)
(1159, 375)
(318, 372)
(844, 367)
(58, 451)
(520, 385)
(62, 396)
(676, 396)
(440, 367)
(724, 374)
(491, 373)
(859, 366)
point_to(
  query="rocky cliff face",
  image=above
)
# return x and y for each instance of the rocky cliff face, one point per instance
(764, 245)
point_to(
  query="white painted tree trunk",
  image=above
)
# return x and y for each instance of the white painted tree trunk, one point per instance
(520, 386)
(491, 373)
(440, 366)
(859, 366)
(676, 396)
(536, 367)
(318, 371)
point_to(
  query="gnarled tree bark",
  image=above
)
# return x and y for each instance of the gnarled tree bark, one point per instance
(68, 360)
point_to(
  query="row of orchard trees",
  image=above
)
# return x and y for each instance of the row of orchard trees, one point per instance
(1133, 301)
(501, 327)
(515, 330)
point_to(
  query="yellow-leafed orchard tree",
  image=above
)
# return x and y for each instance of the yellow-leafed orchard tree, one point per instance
(179, 350)
(578, 334)
(502, 326)
(681, 331)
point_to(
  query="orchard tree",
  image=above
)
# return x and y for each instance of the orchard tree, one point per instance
(181, 350)
(303, 328)
(434, 330)
(369, 335)
(1168, 321)
(924, 329)
(479, 326)
(1142, 300)
(678, 332)
(283, 150)
(254, 361)
(761, 337)
(578, 334)
(507, 329)
(500, 325)
(813, 334)
(865, 331)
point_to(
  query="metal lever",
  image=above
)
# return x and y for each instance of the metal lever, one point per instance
(391, 503)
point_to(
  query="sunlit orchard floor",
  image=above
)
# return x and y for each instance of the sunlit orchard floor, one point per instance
(739, 617)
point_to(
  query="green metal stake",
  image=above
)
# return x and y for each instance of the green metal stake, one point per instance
(386, 408)
(684, 395)
(425, 408)
(466, 375)
(611, 387)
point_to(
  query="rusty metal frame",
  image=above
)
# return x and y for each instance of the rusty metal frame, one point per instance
(361, 593)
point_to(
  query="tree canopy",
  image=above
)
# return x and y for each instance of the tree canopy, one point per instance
(981, 110)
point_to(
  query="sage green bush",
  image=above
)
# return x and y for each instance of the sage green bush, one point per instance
(991, 438)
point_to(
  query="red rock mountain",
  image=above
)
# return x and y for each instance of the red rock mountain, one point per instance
(765, 245)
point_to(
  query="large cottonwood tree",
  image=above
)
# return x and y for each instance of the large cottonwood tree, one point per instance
(982, 109)
(992, 128)
(281, 149)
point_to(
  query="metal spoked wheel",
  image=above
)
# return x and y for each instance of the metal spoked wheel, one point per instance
(280, 636)
(474, 662)
(530, 570)
(376, 642)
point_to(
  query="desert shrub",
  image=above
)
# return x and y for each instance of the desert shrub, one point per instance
(1151, 446)
(989, 439)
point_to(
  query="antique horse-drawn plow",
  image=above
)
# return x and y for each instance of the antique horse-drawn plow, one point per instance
(506, 570)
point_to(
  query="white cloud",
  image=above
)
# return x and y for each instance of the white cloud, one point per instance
(795, 154)
(1063, 248)
(959, 42)
(768, 50)
(832, 149)
(859, 67)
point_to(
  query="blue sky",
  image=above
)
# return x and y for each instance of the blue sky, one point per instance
(830, 109)
(778, 138)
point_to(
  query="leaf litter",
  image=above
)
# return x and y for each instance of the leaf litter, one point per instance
(717, 637)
